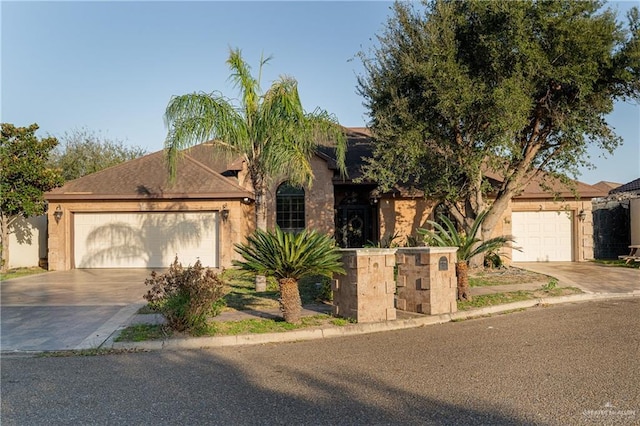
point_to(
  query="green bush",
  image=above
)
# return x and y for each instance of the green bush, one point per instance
(186, 297)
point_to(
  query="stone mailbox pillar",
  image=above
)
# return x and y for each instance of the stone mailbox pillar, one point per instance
(366, 292)
(426, 281)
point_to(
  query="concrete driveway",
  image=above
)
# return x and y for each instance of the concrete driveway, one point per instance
(80, 309)
(588, 276)
(77, 309)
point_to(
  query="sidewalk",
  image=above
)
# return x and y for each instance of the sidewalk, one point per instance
(404, 320)
(310, 310)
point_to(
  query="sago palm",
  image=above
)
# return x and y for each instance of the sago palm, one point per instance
(468, 246)
(289, 257)
(271, 132)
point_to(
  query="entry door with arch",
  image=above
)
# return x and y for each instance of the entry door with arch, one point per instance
(355, 221)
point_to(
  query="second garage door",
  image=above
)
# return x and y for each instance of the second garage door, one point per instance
(543, 236)
(144, 240)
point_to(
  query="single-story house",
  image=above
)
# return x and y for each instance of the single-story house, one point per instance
(131, 215)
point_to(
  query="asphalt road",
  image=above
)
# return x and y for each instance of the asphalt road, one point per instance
(565, 364)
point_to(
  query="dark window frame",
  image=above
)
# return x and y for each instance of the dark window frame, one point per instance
(290, 208)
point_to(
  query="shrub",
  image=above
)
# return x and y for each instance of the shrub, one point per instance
(186, 297)
(493, 260)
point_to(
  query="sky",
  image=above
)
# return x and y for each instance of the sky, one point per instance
(112, 67)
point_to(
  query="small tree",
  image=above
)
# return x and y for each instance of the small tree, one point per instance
(289, 257)
(468, 246)
(83, 152)
(24, 178)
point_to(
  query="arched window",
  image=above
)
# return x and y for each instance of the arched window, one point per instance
(290, 208)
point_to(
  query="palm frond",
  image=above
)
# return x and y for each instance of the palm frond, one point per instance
(243, 80)
(271, 131)
(468, 245)
(197, 117)
(287, 255)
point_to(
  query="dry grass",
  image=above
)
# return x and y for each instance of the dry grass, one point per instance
(503, 276)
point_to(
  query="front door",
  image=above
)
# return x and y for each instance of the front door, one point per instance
(356, 223)
(353, 226)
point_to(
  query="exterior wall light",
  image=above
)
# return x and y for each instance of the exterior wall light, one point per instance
(57, 215)
(582, 215)
(224, 212)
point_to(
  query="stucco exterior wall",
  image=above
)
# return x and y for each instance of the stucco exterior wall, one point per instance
(582, 228)
(234, 230)
(28, 242)
(403, 216)
(634, 212)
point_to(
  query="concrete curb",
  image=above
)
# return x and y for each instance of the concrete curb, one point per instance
(354, 329)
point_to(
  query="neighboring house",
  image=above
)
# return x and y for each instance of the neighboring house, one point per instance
(606, 186)
(616, 220)
(131, 216)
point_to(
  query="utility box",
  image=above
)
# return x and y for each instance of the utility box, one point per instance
(366, 292)
(426, 280)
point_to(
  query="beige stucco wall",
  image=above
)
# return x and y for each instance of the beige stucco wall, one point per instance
(403, 216)
(582, 228)
(634, 217)
(234, 230)
(27, 242)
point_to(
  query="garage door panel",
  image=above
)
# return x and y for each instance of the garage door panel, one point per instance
(543, 236)
(144, 240)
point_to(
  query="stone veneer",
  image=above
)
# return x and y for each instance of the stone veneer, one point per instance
(426, 281)
(366, 292)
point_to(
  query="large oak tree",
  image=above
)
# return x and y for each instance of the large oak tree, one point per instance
(455, 88)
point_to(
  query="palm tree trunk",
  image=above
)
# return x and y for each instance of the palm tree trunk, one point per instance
(462, 273)
(290, 303)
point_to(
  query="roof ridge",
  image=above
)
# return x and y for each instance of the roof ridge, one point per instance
(115, 166)
(214, 173)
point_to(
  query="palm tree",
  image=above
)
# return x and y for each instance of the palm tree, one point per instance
(271, 132)
(289, 257)
(468, 246)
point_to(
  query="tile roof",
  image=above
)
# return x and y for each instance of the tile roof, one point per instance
(198, 176)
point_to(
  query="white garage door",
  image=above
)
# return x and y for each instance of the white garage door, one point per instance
(144, 240)
(543, 236)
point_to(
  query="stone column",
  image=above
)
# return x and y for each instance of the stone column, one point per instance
(426, 280)
(366, 292)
